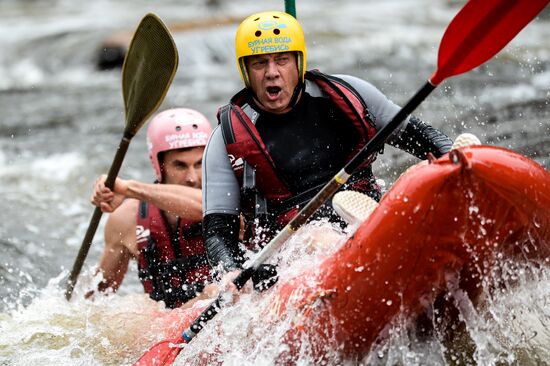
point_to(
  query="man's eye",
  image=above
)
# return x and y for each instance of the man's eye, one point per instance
(258, 63)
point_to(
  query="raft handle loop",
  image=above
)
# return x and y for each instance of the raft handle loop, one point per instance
(458, 157)
(431, 158)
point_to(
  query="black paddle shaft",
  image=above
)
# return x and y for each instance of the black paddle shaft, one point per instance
(211, 311)
(378, 140)
(96, 217)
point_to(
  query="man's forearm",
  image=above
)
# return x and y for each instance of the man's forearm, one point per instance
(176, 199)
(221, 233)
(419, 139)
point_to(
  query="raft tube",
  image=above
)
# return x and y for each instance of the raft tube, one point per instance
(450, 219)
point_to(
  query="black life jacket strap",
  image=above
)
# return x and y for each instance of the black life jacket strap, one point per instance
(225, 123)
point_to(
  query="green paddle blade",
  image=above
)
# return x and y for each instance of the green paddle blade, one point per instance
(148, 71)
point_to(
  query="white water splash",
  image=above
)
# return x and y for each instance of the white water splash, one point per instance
(117, 329)
(111, 330)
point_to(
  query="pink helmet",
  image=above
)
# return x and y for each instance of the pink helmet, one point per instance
(173, 129)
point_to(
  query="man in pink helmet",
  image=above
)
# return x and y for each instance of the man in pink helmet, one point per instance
(160, 224)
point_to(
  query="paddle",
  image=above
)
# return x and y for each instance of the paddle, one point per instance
(148, 70)
(477, 32)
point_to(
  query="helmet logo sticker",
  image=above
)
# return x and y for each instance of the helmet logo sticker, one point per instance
(270, 24)
(186, 139)
(269, 45)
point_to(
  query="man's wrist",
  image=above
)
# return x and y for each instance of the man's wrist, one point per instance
(130, 189)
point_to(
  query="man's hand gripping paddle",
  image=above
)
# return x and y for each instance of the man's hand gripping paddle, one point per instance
(148, 70)
(480, 30)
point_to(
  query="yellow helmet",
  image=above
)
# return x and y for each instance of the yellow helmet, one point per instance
(269, 32)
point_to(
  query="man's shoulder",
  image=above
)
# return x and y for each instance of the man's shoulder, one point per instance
(352, 80)
(365, 89)
(349, 79)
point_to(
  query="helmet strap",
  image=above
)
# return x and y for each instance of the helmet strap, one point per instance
(297, 90)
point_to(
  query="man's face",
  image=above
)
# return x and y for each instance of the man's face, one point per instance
(183, 167)
(273, 78)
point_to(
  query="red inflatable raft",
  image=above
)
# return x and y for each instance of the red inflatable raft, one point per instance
(451, 219)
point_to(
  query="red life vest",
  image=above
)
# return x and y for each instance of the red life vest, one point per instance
(244, 144)
(172, 266)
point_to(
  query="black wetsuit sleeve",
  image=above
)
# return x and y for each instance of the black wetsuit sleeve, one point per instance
(419, 139)
(221, 241)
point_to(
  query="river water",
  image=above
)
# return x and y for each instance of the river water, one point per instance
(61, 120)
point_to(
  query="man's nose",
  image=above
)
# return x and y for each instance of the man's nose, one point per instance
(192, 175)
(272, 69)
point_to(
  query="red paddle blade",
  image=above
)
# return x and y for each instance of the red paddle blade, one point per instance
(480, 30)
(163, 353)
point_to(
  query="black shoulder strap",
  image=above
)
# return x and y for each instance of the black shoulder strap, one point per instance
(316, 74)
(313, 73)
(225, 123)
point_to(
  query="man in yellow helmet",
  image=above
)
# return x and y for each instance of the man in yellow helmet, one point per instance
(287, 133)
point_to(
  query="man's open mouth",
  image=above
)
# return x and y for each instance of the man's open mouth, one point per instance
(273, 91)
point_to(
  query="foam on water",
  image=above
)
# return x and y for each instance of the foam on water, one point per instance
(55, 168)
(117, 329)
(110, 330)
